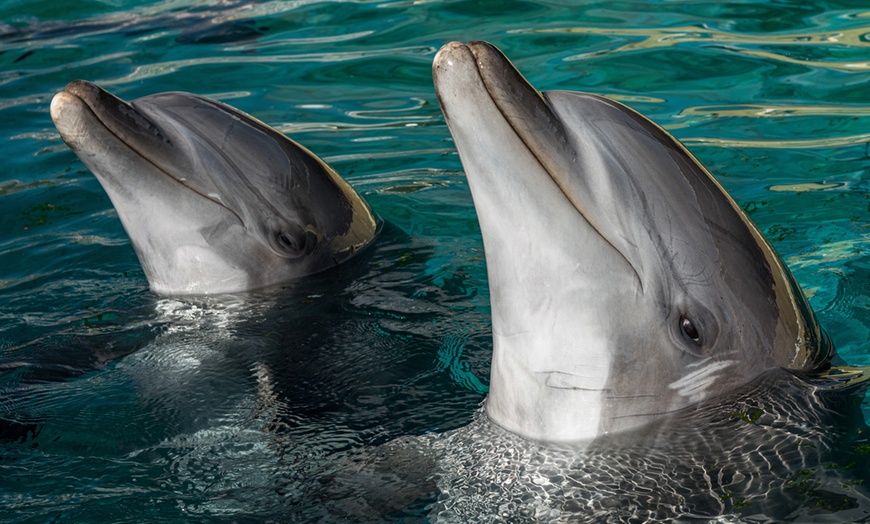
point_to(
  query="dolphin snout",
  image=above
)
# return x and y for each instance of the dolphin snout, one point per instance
(85, 90)
(60, 103)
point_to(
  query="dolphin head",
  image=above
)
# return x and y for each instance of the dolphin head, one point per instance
(625, 283)
(212, 199)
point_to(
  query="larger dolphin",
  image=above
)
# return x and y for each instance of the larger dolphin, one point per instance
(625, 283)
(213, 200)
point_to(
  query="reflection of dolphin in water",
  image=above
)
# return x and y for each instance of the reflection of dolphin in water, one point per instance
(640, 321)
(212, 199)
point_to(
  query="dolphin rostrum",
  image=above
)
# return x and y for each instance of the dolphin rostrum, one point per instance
(625, 283)
(212, 199)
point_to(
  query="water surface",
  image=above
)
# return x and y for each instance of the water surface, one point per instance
(118, 405)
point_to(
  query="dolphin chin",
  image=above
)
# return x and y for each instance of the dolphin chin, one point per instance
(625, 283)
(213, 200)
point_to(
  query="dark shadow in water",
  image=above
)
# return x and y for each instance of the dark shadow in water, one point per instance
(195, 26)
(336, 363)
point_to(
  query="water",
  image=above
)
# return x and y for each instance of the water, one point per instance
(118, 405)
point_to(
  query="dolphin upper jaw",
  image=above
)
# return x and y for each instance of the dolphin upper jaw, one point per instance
(88, 118)
(528, 117)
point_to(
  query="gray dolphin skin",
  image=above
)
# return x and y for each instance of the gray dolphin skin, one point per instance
(625, 283)
(213, 200)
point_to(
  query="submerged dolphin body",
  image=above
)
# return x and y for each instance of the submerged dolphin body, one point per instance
(213, 200)
(626, 284)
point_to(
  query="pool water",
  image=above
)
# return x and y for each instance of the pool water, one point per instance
(119, 405)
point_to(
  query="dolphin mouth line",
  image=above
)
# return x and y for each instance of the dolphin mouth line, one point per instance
(127, 106)
(561, 380)
(483, 53)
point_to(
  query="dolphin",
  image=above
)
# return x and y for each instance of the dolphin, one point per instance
(213, 200)
(626, 285)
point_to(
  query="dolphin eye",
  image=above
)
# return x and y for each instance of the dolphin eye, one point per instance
(288, 242)
(690, 330)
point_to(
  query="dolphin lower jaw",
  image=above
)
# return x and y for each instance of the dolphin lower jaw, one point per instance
(175, 255)
(76, 123)
(191, 269)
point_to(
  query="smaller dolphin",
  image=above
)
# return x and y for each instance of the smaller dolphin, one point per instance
(213, 200)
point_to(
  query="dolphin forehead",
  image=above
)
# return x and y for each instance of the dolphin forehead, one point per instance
(262, 173)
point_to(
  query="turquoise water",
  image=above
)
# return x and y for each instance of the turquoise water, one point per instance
(118, 405)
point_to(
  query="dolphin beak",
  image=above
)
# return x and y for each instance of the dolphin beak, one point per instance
(524, 108)
(82, 107)
(526, 111)
(118, 116)
(528, 114)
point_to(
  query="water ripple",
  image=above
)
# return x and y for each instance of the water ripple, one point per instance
(652, 38)
(389, 154)
(779, 144)
(171, 66)
(297, 41)
(233, 407)
(20, 74)
(775, 111)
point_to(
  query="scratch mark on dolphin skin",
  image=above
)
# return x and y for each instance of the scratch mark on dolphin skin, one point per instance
(694, 384)
(700, 362)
